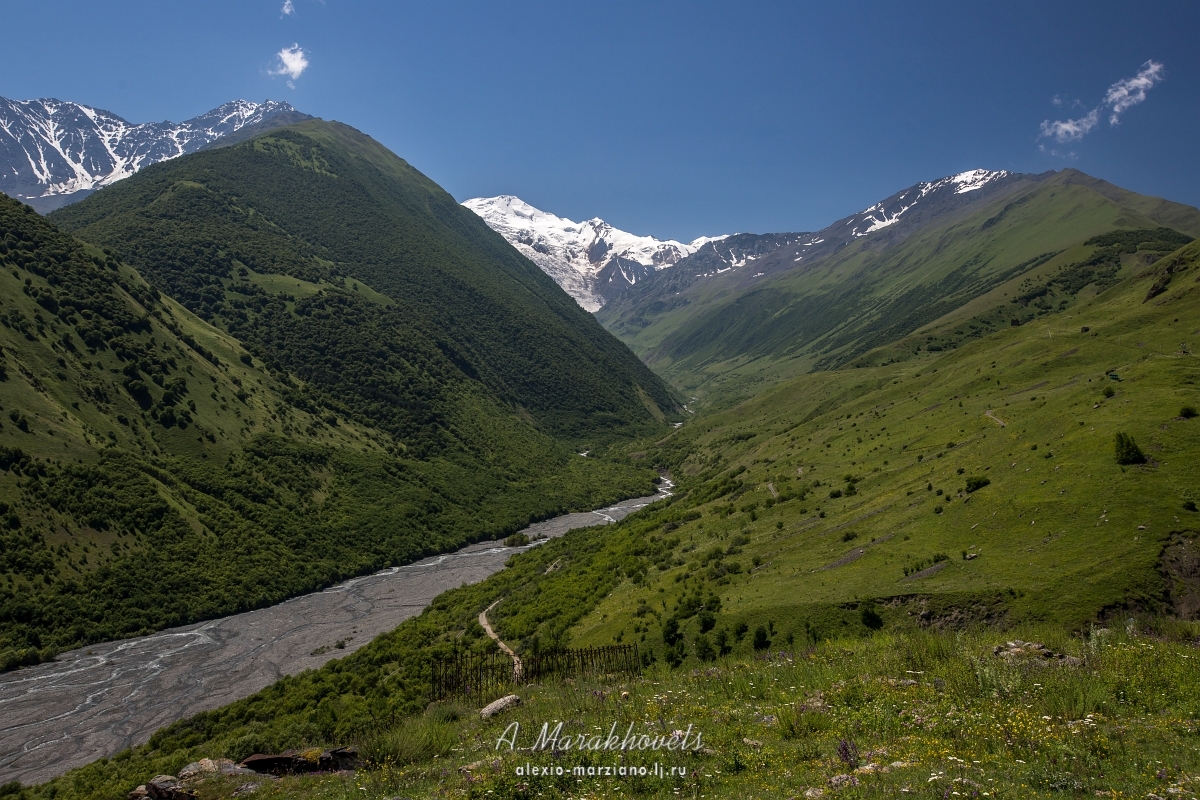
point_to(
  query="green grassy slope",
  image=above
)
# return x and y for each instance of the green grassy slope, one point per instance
(153, 472)
(818, 512)
(727, 339)
(872, 466)
(323, 203)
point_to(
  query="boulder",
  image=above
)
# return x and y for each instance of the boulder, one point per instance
(212, 766)
(339, 758)
(280, 764)
(497, 706)
(290, 762)
(167, 787)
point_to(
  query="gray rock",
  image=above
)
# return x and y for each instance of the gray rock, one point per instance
(497, 706)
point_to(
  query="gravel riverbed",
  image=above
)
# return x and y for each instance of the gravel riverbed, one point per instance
(96, 701)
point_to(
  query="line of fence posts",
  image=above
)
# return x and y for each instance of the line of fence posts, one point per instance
(470, 674)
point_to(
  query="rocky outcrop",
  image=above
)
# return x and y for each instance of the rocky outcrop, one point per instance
(289, 762)
(1033, 653)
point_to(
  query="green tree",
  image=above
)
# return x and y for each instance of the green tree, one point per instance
(1127, 450)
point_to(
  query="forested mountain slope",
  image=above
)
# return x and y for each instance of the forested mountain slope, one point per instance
(320, 202)
(153, 472)
(782, 314)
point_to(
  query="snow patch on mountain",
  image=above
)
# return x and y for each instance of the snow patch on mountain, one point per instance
(590, 260)
(51, 148)
(889, 212)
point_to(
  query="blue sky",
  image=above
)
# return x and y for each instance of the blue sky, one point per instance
(671, 119)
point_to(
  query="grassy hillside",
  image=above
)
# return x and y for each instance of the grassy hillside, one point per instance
(153, 472)
(725, 337)
(326, 205)
(855, 519)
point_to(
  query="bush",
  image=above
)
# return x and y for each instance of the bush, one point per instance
(761, 641)
(704, 648)
(871, 618)
(1127, 450)
(798, 720)
(670, 632)
(1108, 391)
(516, 540)
(977, 482)
(1189, 505)
(1187, 412)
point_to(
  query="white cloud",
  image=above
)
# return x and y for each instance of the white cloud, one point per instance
(1071, 130)
(1126, 94)
(292, 62)
(288, 9)
(1120, 97)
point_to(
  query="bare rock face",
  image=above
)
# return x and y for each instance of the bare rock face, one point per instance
(498, 706)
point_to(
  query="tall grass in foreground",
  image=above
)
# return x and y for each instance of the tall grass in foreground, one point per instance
(909, 714)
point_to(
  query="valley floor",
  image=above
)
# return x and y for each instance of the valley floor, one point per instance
(99, 700)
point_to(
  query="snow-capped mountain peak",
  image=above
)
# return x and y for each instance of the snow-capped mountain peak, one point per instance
(590, 260)
(594, 262)
(52, 151)
(889, 212)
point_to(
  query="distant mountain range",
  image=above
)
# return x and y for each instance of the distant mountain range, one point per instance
(592, 261)
(53, 152)
(755, 308)
(595, 262)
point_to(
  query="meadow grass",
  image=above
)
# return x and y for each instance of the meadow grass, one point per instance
(914, 713)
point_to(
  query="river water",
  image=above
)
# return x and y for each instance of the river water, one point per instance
(96, 701)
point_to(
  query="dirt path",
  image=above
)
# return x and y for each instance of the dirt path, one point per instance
(487, 627)
(995, 419)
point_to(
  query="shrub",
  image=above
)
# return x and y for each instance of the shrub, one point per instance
(1187, 412)
(761, 641)
(1189, 505)
(1127, 450)
(798, 720)
(870, 617)
(670, 632)
(516, 540)
(1108, 391)
(704, 648)
(836, 493)
(977, 482)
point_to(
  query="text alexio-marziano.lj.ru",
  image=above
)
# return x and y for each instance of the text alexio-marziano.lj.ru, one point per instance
(555, 741)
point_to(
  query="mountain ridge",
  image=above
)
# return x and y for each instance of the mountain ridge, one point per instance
(55, 152)
(704, 321)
